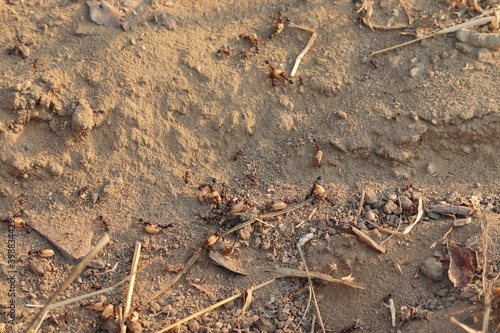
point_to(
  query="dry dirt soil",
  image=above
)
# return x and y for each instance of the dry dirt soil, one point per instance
(128, 124)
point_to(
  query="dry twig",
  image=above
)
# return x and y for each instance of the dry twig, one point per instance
(78, 269)
(316, 306)
(304, 51)
(363, 238)
(210, 308)
(133, 270)
(479, 20)
(12, 10)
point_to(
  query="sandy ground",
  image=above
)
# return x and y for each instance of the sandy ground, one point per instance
(99, 121)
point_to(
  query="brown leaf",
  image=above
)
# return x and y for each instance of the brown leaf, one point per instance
(461, 270)
(104, 14)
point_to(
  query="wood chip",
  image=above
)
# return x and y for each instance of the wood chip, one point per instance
(452, 210)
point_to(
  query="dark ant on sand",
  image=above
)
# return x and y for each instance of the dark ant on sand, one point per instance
(224, 51)
(319, 154)
(238, 154)
(277, 74)
(187, 176)
(21, 48)
(104, 222)
(278, 25)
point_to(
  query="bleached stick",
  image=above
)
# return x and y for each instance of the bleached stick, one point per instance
(210, 308)
(135, 262)
(468, 24)
(304, 51)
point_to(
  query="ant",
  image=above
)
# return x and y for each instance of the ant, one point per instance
(252, 38)
(21, 48)
(374, 63)
(386, 298)
(154, 228)
(278, 25)
(351, 328)
(224, 51)
(301, 81)
(104, 222)
(187, 176)
(238, 154)
(21, 200)
(244, 56)
(319, 154)
(277, 74)
(42, 253)
(81, 192)
(253, 180)
(36, 64)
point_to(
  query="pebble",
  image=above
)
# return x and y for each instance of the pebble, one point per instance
(416, 70)
(370, 216)
(431, 169)
(370, 197)
(337, 143)
(83, 117)
(433, 270)
(134, 327)
(443, 292)
(390, 207)
(406, 202)
(341, 114)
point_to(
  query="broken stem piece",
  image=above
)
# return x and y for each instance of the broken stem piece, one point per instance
(12, 10)
(304, 51)
(210, 308)
(468, 24)
(363, 238)
(316, 306)
(420, 214)
(78, 269)
(133, 270)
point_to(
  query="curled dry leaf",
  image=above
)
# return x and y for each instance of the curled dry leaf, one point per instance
(104, 14)
(461, 269)
(228, 263)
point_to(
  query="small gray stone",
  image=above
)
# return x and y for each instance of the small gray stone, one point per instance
(370, 216)
(134, 327)
(390, 207)
(341, 114)
(443, 292)
(433, 270)
(370, 197)
(405, 202)
(431, 169)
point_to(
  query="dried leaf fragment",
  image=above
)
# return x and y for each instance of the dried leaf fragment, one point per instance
(228, 263)
(461, 270)
(104, 14)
